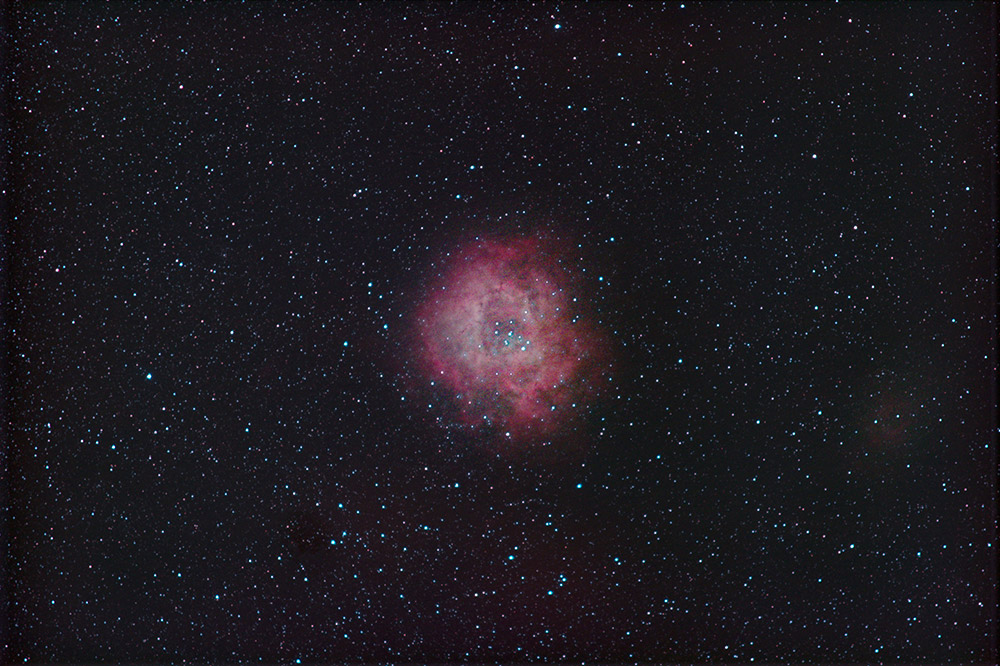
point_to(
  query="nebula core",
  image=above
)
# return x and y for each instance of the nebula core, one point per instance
(504, 337)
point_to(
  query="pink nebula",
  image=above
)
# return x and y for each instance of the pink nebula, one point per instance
(503, 336)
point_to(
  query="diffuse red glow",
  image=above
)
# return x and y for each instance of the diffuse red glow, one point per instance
(502, 337)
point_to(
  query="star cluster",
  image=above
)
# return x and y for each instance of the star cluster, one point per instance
(438, 333)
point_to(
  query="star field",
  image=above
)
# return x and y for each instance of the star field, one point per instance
(267, 403)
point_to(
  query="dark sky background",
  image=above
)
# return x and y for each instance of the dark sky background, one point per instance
(222, 215)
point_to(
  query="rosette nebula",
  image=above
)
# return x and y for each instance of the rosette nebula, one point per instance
(507, 340)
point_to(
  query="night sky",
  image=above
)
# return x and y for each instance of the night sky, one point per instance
(520, 333)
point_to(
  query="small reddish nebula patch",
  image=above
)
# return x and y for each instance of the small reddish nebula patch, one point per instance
(503, 336)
